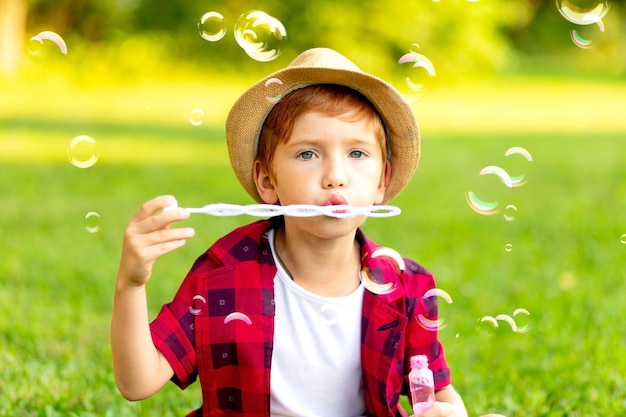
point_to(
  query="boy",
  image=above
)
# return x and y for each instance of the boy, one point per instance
(275, 318)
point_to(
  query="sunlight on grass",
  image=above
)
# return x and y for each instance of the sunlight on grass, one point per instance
(525, 105)
(116, 149)
(124, 120)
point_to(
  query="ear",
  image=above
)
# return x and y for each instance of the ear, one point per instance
(264, 183)
(384, 182)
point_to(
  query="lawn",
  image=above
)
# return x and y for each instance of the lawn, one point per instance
(561, 257)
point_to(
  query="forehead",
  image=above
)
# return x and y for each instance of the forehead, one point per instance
(351, 122)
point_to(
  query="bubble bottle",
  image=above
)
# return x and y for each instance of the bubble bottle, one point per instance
(422, 384)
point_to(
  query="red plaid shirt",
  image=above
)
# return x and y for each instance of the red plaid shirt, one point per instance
(233, 360)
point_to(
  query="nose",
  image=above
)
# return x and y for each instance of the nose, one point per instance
(335, 173)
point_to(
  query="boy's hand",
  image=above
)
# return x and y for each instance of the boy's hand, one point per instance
(442, 409)
(148, 236)
(439, 409)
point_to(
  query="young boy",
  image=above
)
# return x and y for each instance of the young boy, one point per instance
(276, 318)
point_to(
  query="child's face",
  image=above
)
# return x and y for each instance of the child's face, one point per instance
(326, 160)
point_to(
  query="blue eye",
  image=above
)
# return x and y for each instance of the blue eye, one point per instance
(307, 155)
(357, 154)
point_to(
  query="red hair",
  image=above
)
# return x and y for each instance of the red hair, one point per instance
(330, 99)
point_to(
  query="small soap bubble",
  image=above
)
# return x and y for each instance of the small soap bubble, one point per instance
(623, 239)
(82, 151)
(487, 325)
(583, 12)
(579, 40)
(498, 172)
(508, 319)
(509, 213)
(199, 302)
(517, 150)
(431, 325)
(419, 61)
(92, 222)
(260, 35)
(274, 90)
(486, 208)
(211, 26)
(519, 180)
(522, 320)
(36, 45)
(196, 117)
(508, 247)
(371, 285)
(438, 292)
(434, 325)
(238, 316)
(392, 254)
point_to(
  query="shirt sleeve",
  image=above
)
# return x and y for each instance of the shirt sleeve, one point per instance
(422, 335)
(173, 329)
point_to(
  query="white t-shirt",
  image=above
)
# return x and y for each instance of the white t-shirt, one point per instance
(316, 362)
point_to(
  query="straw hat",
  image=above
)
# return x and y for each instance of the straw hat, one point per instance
(323, 66)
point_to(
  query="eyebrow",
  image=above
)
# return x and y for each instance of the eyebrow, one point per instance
(314, 141)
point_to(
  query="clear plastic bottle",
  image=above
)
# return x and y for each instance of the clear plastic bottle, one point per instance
(422, 384)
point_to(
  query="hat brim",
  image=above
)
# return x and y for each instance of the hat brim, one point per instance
(249, 112)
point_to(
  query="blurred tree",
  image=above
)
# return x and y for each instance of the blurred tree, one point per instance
(12, 27)
(460, 37)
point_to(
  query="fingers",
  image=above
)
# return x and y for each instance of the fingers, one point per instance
(149, 236)
(151, 215)
(439, 409)
(152, 206)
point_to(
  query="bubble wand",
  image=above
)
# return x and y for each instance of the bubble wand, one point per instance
(294, 210)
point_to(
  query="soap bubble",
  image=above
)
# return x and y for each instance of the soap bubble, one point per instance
(211, 26)
(517, 324)
(509, 213)
(237, 316)
(498, 172)
(579, 40)
(260, 35)
(508, 247)
(274, 90)
(487, 325)
(624, 239)
(438, 292)
(199, 302)
(196, 117)
(36, 44)
(486, 208)
(390, 253)
(522, 322)
(434, 325)
(508, 319)
(92, 222)
(517, 150)
(583, 12)
(519, 180)
(371, 285)
(419, 61)
(82, 151)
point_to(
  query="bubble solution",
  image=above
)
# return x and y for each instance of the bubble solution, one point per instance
(422, 384)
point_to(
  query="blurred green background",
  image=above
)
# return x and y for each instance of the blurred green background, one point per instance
(153, 95)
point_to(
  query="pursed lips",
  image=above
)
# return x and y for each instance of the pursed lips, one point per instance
(336, 200)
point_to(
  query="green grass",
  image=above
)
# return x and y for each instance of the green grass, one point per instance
(566, 266)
